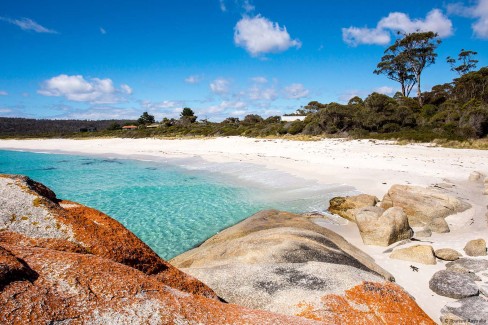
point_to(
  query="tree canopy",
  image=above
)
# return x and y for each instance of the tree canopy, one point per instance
(146, 118)
(464, 63)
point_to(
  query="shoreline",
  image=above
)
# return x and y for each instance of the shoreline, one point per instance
(369, 166)
(364, 164)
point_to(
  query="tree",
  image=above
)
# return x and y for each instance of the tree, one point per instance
(394, 65)
(417, 51)
(146, 119)
(466, 62)
(187, 115)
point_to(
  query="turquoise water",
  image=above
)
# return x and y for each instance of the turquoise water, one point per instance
(170, 208)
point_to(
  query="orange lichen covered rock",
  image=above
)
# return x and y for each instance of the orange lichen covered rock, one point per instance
(33, 216)
(368, 303)
(83, 288)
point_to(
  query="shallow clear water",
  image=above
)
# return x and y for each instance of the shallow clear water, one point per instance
(170, 208)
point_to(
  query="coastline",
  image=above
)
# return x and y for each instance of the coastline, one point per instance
(369, 166)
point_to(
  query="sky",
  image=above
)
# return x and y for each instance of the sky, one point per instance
(116, 59)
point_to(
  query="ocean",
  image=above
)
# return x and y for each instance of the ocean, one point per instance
(172, 205)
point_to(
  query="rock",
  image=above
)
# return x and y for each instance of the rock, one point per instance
(484, 290)
(438, 225)
(31, 213)
(447, 254)
(419, 253)
(475, 176)
(453, 284)
(465, 271)
(472, 310)
(422, 204)
(383, 229)
(13, 269)
(425, 232)
(61, 262)
(284, 263)
(473, 265)
(344, 206)
(476, 247)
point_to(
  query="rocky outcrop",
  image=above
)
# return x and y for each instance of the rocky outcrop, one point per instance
(419, 253)
(285, 263)
(476, 247)
(472, 310)
(31, 215)
(453, 284)
(383, 229)
(347, 207)
(447, 254)
(61, 262)
(422, 205)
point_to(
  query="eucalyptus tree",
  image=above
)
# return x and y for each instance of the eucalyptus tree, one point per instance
(406, 59)
(465, 60)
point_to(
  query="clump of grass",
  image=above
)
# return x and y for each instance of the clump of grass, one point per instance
(24, 218)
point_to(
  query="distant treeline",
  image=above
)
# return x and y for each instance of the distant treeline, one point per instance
(23, 127)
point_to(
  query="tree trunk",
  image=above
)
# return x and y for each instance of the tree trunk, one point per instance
(403, 89)
(419, 92)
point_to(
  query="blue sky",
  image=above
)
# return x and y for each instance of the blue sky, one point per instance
(116, 59)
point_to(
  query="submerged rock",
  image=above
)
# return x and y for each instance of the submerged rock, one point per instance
(419, 253)
(476, 247)
(383, 229)
(346, 207)
(453, 284)
(285, 263)
(422, 205)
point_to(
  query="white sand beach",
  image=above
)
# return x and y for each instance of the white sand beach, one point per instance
(370, 166)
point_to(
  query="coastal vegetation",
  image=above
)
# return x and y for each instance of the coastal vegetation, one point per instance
(453, 111)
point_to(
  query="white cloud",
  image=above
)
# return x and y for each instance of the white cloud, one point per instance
(103, 31)
(100, 113)
(78, 89)
(5, 110)
(238, 113)
(348, 94)
(435, 21)
(28, 24)
(247, 6)
(222, 5)
(3, 93)
(479, 11)
(225, 105)
(296, 91)
(259, 80)
(355, 36)
(193, 79)
(385, 90)
(256, 93)
(220, 86)
(126, 88)
(165, 105)
(258, 35)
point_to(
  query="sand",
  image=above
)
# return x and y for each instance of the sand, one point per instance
(369, 166)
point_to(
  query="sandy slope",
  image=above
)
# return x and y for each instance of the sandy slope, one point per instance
(369, 166)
